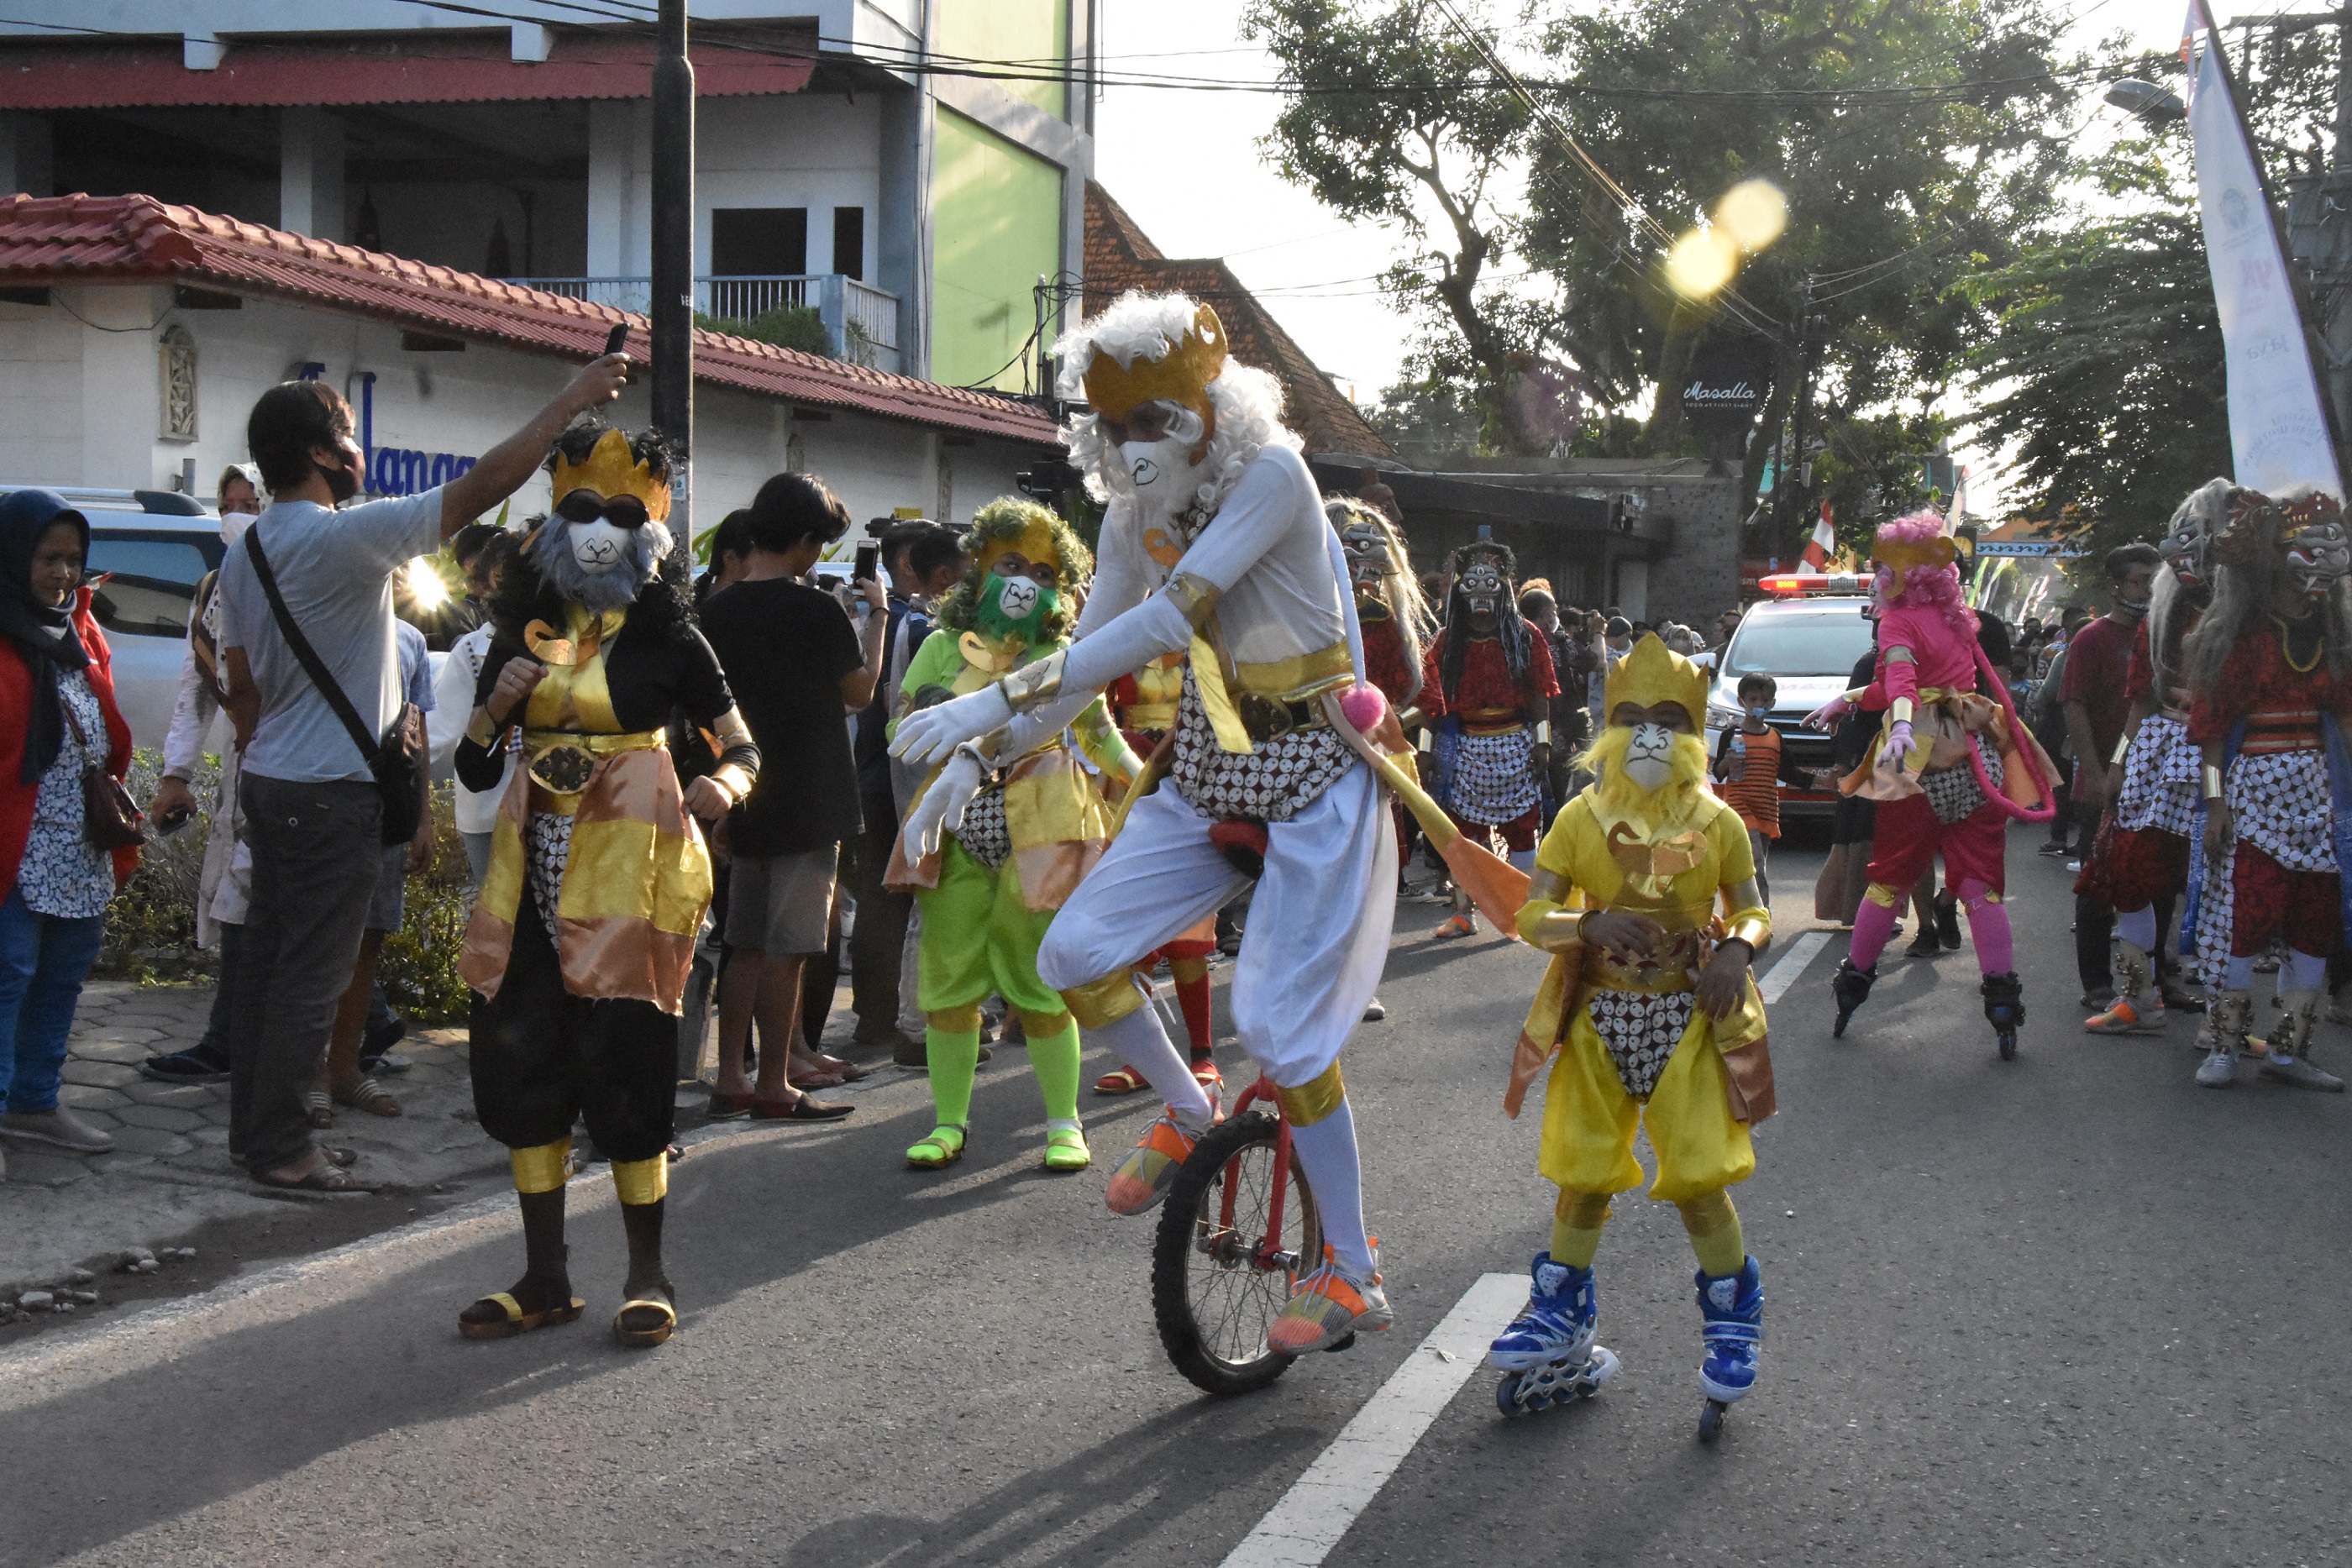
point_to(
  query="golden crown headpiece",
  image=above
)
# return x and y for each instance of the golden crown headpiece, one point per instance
(611, 470)
(1651, 674)
(2301, 514)
(1180, 375)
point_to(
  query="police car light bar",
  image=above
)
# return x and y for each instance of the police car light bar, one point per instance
(1791, 583)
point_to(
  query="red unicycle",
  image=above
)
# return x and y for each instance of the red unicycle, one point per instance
(1238, 1228)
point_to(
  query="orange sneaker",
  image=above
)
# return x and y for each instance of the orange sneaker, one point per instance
(1205, 1073)
(1329, 1305)
(1457, 927)
(2125, 1017)
(1143, 1177)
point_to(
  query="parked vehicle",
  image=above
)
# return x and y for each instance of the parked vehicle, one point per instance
(1808, 643)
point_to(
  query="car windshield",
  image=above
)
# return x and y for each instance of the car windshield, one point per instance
(1823, 638)
(151, 580)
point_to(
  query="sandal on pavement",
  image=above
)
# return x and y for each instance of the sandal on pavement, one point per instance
(942, 1149)
(327, 1178)
(729, 1107)
(653, 1319)
(804, 1108)
(1205, 1074)
(321, 1109)
(823, 1078)
(850, 1072)
(1119, 1080)
(1066, 1151)
(370, 1096)
(515, 1320)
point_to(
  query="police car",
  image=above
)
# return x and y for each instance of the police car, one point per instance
(1807, 636)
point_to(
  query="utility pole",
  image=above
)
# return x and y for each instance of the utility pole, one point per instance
(1795, 474)
(673, 246)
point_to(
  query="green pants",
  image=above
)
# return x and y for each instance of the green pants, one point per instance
(980, 937)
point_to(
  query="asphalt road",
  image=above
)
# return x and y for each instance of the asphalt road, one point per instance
(2068, 1309)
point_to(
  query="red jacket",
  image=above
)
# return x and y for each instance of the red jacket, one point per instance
(17, 722)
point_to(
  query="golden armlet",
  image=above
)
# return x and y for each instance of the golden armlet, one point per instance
(1899, 711)
(1753, 926)
(2123, 745)
(1195, 597)
(1543, 732)
(2212, 782)
(1030, 684)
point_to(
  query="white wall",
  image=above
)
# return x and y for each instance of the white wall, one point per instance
(80, 406)
(801, 150)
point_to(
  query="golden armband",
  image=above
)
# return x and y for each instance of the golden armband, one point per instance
(1195, 598)
(1753, 926)
(2212, 782)
(1899, 711)
(1034, 683)
(2122, 746)
(1543, 732)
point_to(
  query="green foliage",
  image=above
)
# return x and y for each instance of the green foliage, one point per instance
(151, 926)
(787, 326)
(418, 966)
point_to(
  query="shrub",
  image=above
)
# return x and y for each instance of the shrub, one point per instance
(787, 326)
(418, 968)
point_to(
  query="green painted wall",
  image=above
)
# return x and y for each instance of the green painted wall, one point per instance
(1033, 33)
(996, 227)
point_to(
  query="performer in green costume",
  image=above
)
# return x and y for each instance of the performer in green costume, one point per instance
(991, 873)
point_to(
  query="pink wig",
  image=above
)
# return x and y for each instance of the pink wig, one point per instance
(1924, 586)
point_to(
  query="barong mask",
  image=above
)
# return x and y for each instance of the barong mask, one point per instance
(2317, 552)
(2188, 543)
(1481, 604)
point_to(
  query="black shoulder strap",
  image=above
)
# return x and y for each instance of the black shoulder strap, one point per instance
(306, 655)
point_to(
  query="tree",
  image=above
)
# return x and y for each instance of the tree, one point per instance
(1377, 122)
(2105, 365)
(1911, 141)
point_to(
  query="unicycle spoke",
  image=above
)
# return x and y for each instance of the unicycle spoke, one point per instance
(1223, 1270)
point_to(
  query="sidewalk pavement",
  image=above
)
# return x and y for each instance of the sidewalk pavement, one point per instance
(169, 1172)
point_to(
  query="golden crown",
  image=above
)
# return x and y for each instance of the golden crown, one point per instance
(611, 471)
(1035, 541)
(1182, 375)
(1651, 674)
(1905, 554)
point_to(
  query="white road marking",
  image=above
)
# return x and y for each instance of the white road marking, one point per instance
(1791, 967)
(1301, 1529)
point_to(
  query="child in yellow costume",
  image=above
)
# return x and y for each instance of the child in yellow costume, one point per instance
(990, 873)
(1644, 892)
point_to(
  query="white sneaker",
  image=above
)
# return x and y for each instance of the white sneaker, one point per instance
(2303, 1072)
(2218, 1070)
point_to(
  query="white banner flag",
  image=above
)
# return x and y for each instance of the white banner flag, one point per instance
(2278, 427)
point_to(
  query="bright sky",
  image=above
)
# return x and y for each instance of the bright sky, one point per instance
(1186, 166)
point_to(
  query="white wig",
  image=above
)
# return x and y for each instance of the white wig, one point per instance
(1247, 401)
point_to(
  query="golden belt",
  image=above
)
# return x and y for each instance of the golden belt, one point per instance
(562, 761)
(1156, 717)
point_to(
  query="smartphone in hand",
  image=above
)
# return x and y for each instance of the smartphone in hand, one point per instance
(868, 562)
(615, 340)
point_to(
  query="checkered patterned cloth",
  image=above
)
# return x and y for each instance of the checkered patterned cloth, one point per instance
(2280, 800)
(1953, 793)
(1640, 1028)
(2160, 779)
(984, 834)
(1494, 778)
(1275, 782)
(546, 850)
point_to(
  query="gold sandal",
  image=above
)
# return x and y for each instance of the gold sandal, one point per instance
(644, 1338)
(517, 1320)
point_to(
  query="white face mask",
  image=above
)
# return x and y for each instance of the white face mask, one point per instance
(1650, 761)
(599, 547)
(1160, 470)
(233, 525)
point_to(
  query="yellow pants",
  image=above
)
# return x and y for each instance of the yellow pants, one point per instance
(1589, 1120)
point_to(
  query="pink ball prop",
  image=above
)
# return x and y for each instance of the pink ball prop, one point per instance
(1365, 706)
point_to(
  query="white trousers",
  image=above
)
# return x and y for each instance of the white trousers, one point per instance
(1319, 926)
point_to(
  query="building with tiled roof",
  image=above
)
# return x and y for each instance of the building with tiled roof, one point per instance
(1120, 257)
(141, 332)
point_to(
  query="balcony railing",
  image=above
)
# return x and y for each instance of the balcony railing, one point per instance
(862, 321)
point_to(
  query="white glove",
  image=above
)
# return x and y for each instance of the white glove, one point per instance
(928, 734)
(1829, 713)
(1897, 749)
(941, 808)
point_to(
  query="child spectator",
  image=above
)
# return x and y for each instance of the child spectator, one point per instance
(1748, 763)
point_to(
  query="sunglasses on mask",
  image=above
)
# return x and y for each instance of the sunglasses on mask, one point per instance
(587, 507)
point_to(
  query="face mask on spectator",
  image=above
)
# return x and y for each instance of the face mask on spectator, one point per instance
(233, 525)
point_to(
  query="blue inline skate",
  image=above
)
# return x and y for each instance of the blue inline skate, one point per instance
(1548, 1355)
(1731, 1309)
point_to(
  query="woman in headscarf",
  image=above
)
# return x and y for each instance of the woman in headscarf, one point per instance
(58, 715)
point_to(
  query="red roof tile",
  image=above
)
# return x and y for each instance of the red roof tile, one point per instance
(432, 67)
(96, 239)
(1120, 257)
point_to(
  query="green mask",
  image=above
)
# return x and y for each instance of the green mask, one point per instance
(1016, 608)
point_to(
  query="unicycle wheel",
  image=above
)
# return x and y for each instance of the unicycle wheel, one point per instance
(1220, 1273)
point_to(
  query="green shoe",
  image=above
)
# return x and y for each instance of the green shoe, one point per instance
(940, 1150)
(1065, 1150)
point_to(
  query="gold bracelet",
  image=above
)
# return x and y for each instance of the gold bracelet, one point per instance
(1543, 732)
(1899, 711)
(2212, 782)
(2123, 745)
(1034, 683)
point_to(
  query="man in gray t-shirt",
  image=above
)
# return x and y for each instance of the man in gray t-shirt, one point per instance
(312, 813)
(335, 570)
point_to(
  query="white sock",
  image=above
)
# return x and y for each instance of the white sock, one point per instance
(1327, 1153)
(2137, 927)
(2304, 971)
(1141, 1041)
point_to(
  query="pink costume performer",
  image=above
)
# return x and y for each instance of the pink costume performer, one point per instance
(1950, 768)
